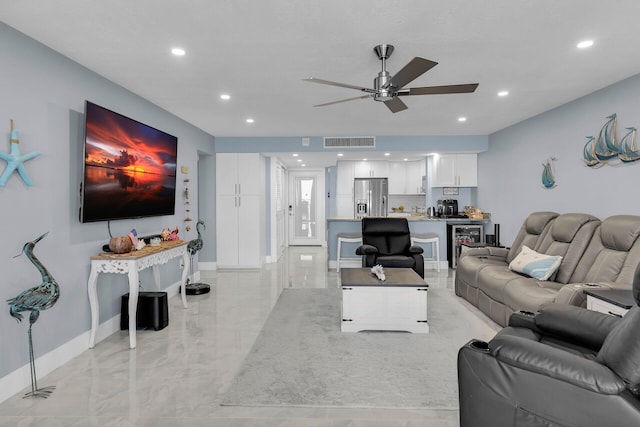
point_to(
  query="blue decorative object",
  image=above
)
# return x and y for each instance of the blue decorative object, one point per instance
(548, 180)
(15, 160)
(36, 299)
(628, 151)
(607, 149)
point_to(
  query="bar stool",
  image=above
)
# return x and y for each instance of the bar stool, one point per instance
(346, 238)
(434, 240)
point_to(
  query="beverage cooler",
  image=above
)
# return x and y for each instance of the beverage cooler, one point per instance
(459, 234)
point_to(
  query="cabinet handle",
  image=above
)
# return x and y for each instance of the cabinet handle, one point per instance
(239, 201)
(614, 314)
(239, 188)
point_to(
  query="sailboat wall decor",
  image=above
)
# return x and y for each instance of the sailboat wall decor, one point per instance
(607, 148)
(548, 178)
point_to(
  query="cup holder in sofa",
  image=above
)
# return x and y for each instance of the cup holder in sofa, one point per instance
(479, 345)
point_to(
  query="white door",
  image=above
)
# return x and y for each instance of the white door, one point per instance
(306, 208)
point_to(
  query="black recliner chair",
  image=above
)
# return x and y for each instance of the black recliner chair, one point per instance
(387, 241)
(563, 366)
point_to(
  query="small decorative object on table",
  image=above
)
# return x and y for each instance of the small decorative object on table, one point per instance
(120, 245)
(378, 271)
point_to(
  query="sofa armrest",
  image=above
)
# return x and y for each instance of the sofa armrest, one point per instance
(366, 250)
(556, 363)
(578, 325)
(573, 293)
(416, 250)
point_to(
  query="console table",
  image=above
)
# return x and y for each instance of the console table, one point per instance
(131, 264)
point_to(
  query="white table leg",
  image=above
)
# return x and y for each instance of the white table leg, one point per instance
(156, 275)
(183, 287)
(133, 303)
(93, 304)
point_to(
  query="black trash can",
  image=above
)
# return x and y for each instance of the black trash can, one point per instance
(152, 313)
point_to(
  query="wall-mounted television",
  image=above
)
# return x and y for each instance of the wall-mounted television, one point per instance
(129, 168)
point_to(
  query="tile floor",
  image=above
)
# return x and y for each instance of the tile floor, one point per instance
(177, 376)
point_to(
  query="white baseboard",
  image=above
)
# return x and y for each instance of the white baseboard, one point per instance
(17, 380)
(207, 266)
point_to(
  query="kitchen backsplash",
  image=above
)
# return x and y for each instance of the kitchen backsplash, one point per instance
(409, 201)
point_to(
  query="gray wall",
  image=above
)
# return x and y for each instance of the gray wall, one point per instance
(44, 93)
(510, 185)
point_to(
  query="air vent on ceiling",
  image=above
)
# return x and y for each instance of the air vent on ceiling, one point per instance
(349, 142)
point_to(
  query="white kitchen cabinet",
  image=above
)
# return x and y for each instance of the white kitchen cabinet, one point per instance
(406, 177)
(344, 180)
(240, 210)
(397, 177)
(371, 169)
(455, 170)
(344, 189)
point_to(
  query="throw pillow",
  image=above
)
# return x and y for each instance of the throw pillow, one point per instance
(536, 265)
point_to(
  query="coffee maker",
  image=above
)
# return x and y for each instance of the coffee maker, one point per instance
(447, 207)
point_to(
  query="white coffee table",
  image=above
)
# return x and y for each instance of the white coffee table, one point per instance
(397, 304)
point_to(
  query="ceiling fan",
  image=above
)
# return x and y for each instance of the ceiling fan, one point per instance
(388, 89)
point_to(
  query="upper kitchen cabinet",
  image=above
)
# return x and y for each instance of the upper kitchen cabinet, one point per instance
(371, 169)
(455, 170)
(406, 177)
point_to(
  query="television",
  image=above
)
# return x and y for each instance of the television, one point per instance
(129, 168)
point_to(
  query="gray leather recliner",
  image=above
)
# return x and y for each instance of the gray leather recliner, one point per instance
(564, 366)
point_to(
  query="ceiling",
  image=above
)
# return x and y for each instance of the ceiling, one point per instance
(258, 51)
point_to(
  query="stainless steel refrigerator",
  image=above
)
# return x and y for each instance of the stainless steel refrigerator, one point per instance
(370, 197)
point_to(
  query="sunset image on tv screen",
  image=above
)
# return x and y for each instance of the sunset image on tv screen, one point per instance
(129, 170)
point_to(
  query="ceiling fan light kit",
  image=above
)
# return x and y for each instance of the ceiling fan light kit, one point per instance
(388, 89)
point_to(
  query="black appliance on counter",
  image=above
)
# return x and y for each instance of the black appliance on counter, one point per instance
(448, 208)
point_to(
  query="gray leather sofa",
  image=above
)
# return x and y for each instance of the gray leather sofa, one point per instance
(565, 366)
(602, 252)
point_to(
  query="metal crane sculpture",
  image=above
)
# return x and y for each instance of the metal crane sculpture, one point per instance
(193, 247)
(36, 299)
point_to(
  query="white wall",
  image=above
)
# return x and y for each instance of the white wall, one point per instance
(509, 176)
(44, 93)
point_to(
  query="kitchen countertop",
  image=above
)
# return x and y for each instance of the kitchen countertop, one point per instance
(418, 217)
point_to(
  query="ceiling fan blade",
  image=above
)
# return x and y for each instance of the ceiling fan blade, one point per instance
(395, 104)
(414, 69)
(439, 90)
(343, 100)
(328, 82)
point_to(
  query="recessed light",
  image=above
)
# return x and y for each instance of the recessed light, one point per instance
(303, 165)
(405, 159)
(250, 120)
(299, 160)
(585, 44)
(295, 154)
(462, 119)
(503, 93)
(178, 51)
(340, 154)
(387, 154)
(364, 160)
(225, 96)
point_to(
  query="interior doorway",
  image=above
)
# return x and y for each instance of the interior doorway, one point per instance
(306, 208)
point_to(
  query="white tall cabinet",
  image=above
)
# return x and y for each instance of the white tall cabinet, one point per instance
(455, 170)
(240, 210)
